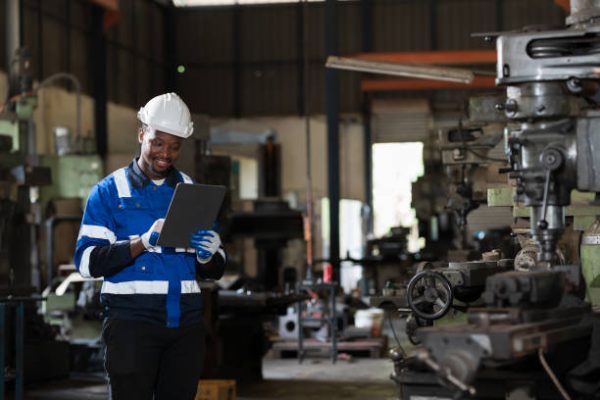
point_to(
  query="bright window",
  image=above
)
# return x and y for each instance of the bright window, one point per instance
(395, 167)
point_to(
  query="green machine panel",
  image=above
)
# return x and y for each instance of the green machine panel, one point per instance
(72, 176)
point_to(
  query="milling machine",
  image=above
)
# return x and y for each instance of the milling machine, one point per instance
(471, 162)
(469, 154)
(535, 337)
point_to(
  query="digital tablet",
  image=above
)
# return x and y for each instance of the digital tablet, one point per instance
(192, 207)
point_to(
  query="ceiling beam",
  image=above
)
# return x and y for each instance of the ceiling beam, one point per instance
(109, 5)
(391, 85)
(111, 15)
(564, 4)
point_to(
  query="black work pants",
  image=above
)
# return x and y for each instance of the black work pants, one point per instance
(146, 361)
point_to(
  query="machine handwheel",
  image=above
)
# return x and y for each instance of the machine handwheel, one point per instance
(429, 295)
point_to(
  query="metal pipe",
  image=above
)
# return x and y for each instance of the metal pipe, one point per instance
(72, 78)
(19, 349)
(2, 347)
(12, 20)
(367, 46)
(332, 100)
(309, 217)
(99, 79)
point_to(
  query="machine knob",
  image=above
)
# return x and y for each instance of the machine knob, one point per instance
(552, 159)
(511, 107)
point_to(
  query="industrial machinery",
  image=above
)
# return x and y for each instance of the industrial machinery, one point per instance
(471, 155)
(28, 343)
(248, 302)
(535, 337)
(433, 291)
(471, 159)
(463, 163)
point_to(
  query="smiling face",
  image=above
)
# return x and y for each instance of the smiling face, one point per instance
(158, 153)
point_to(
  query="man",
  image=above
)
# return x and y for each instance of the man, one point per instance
(153, 327)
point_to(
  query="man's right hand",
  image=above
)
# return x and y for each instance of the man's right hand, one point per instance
(150, 238)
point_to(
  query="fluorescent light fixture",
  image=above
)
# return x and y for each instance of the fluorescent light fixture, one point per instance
(200, 3)
(408, 71)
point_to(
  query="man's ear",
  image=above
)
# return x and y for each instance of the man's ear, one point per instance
(140, 135)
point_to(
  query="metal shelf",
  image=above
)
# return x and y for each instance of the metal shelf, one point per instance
(331, 319)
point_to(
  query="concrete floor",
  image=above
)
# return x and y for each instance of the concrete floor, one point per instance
(364, 379)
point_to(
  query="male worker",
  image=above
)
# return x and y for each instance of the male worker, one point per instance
(153, 327)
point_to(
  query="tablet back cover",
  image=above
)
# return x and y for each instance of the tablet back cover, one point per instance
(193, 207)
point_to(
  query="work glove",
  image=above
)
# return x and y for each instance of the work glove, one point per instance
(206, 243)
(150, 238)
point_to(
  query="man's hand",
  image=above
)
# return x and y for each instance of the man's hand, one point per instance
(150, 238)
(206, 243)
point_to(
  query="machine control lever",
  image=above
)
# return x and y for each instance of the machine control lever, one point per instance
(543, 224)
(445, 373)
(552, 160)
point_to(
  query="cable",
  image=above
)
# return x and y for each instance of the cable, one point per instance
(465, 147)
(395, 336)
(553, 377)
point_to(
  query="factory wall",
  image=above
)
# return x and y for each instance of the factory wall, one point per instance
(291, 135)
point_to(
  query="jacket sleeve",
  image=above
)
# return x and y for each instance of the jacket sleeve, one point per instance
(97, 251)
(213, 269)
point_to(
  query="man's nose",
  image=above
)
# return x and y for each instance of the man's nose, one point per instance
(164, 152)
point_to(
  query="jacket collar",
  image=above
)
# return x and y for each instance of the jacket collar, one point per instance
(138, 179)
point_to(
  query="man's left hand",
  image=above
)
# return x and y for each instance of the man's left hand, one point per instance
(206, 243)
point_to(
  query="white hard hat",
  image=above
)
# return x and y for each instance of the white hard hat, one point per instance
(167, 113)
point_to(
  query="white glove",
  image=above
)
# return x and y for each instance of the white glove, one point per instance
(206, 243)
(150, 238)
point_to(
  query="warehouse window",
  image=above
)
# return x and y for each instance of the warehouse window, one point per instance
(244, 177)
(351, 239)
(395, 167)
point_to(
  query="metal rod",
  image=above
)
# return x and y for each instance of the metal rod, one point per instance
(309, 217)
(367, 46)
(546, 188)
(444, 57)
(12, 28)
(409, 71)
(390, 85)
(2, 341)
(19, 349)
(99, 80)
(552, 376)
(332, 100)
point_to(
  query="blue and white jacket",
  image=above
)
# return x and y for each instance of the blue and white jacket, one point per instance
(157, 286)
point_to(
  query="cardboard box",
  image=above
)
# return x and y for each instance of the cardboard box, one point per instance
(216, 389)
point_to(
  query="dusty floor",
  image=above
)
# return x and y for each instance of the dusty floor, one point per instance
(364, 379)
